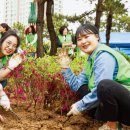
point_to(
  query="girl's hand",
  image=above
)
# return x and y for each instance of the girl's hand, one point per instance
(64, 60)
(5, 102)
(67, 45)
(14, 61)
(73, 111)
(2, 119)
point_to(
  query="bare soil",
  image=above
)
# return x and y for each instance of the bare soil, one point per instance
(45, 120)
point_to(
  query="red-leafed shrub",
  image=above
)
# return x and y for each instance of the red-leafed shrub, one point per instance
(40, 83)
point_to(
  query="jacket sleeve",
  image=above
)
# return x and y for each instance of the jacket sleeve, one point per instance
(74, 81)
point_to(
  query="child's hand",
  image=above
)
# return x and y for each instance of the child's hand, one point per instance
(5, 102)
(64, 60)
(73, 111)
(14, 61)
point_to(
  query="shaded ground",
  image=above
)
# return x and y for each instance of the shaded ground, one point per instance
(45, 120)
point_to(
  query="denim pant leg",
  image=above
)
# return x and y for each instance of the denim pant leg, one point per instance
(114, 102)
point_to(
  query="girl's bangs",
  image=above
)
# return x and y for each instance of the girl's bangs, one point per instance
(83, 32)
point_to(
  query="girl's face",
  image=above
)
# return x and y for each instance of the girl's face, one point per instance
(9, 45)
(30, 29)
(87, 42)
(65, 31)
(2, 29)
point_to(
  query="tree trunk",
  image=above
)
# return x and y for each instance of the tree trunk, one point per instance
(39, 27)
(50, 27)
(108, 27)
(99, 11)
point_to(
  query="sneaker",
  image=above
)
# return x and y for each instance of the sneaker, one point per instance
(105, 127)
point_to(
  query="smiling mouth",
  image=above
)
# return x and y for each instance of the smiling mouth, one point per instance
(85, 46)
(8, 51)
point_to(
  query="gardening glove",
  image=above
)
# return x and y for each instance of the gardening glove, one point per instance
(73, 111)
(4, 102)
(14, 61)
(64, 60)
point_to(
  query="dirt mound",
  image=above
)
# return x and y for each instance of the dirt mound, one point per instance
(45, 120)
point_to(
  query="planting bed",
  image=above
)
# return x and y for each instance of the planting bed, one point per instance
(45, 120)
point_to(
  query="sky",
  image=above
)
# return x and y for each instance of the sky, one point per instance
(1, 10)
(75, 7)
(72, 7)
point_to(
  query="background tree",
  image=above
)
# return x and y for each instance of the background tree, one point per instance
(99, 11)
(19, 28)
(50, 26)
(112, 7)
(121, 23)
(58, 21)
(39, 26)
(111, 10)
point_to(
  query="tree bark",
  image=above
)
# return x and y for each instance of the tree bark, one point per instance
(50, 27)
(39, 27)
(99, 11)
(108, 26)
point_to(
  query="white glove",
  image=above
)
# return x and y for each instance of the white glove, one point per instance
(74, 111)
(14, 61)
(4, 102)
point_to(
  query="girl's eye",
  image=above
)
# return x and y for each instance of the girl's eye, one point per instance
(14, 46)
(86, 36)
(79, 39)
(8, 43)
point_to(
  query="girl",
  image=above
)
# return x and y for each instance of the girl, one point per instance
(3, 28)
(8, 46)
(31, 40)
(66, 39)
(104, 84)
